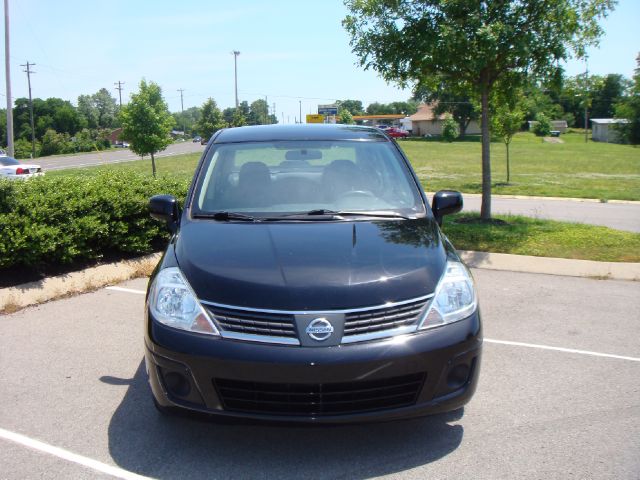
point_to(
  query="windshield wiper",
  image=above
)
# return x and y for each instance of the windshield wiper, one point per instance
(342, 213)
(224, 216)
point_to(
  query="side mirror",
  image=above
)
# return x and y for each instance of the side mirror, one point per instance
(165, 208)
(446, 202)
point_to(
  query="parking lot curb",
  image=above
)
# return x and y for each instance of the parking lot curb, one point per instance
(33, 293)
(552, 266)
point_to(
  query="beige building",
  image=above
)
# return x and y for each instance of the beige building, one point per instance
(425, 122)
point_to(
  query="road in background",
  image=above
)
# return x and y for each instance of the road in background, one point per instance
(72, 376)
(117, 155)
(621, 216)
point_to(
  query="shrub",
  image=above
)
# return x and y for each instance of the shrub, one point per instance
(54, 143)
(450, 130)
(22, 148)
(91, 140)
(543, 126)
(58, 220)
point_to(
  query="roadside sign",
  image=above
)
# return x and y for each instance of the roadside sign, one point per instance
(328, 110)
(315, 118)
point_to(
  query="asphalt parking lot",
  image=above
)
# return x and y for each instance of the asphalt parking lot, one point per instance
(559, 397)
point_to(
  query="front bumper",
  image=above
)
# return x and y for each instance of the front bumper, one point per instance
(407, 376)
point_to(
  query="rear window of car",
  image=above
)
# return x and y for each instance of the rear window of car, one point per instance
(6, 161)
(299, 176)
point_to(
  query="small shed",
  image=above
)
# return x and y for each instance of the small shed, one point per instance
(604, 129)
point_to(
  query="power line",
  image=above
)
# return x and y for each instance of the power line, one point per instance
(28, 71)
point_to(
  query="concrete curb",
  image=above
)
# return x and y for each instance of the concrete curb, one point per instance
(15, 298)
(32, 293)
(552, 266)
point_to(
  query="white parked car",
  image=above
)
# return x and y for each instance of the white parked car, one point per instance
(15, 170)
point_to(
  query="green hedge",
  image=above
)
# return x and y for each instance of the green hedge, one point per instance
(53, 221)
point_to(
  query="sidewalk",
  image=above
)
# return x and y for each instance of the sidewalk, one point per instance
(15, 298)
(552, 266)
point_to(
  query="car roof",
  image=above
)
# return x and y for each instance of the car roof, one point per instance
(268, 133)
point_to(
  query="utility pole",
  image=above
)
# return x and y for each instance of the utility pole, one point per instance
(28, 71)
(184, 128)
(266, 104)
(119, 88)
(235, 68)
(300, 105)
(586, 102)
(7, 69)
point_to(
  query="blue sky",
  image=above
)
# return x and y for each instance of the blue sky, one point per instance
(291, 51)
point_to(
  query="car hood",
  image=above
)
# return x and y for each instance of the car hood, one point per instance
(310, 265)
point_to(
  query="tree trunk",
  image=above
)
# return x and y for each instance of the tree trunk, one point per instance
(485, 208)
(508, 173)
(153, 165)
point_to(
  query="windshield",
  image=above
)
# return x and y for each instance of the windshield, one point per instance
(269, 178)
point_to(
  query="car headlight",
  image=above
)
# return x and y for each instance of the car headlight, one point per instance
(173, 303)
(454, 299)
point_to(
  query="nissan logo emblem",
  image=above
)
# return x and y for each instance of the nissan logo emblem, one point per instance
(319, 329)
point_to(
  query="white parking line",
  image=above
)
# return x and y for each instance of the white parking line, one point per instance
(561, 349)
(487, 340)
(69, 456)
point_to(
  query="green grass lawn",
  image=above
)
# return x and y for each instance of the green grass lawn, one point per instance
(178, 166)
(542, 238)
(570, 169)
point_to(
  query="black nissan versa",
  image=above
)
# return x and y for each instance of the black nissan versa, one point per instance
(307, 280)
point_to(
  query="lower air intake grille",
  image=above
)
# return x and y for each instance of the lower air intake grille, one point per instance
(313, 399)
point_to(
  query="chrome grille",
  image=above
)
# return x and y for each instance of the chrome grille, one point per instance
(279, 326)
(255, 322)
(384, 318)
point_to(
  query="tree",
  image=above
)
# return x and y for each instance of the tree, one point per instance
(475, 45)
(345, 117)
(259, 113)
(609, 91)
(629, 109)
(238, 120)
(542, 127)
(146, 122)
(402, 108)
(98, 110)
(211, 120)
(450, 129)
(506, 121)
(354, 107)
(187, 119)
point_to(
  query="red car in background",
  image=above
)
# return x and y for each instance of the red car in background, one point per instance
(396, 132)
